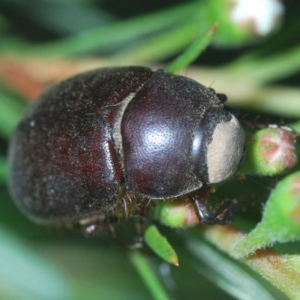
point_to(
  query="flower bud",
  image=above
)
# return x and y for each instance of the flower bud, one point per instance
(242, 21)
(176, 214)
(270, 151)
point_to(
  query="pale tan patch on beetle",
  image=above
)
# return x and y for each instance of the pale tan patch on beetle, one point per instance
(117, 134)
(225, 151)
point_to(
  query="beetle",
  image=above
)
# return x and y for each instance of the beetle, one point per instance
(104, 143)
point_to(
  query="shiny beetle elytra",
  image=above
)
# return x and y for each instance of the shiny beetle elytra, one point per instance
(107, 141)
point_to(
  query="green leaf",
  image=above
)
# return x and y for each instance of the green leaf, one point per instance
(160, 245)
(27, 273)
(225, 272)
(281, 218)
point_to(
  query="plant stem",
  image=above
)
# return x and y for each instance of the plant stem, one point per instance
(3, 169)
(195, 49)
(158, 47)
(111, 35)
(268, 69)
(150, 279)
(10, 113)
(272, 266)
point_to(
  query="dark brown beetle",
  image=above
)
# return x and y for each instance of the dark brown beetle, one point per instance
(93, 144)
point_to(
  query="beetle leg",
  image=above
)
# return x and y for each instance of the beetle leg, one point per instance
(142, 222)
(206, 216)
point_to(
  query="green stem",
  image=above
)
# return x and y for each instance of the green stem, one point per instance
(195, 49)
(115, 34)
(10, 113)
(247, 93)
(272, 266)
(158, 47)
(276, 270)
(3, 169)
(256, 239)
(150, 279)
(265, 70)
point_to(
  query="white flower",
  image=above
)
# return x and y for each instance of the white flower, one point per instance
(262, 15)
